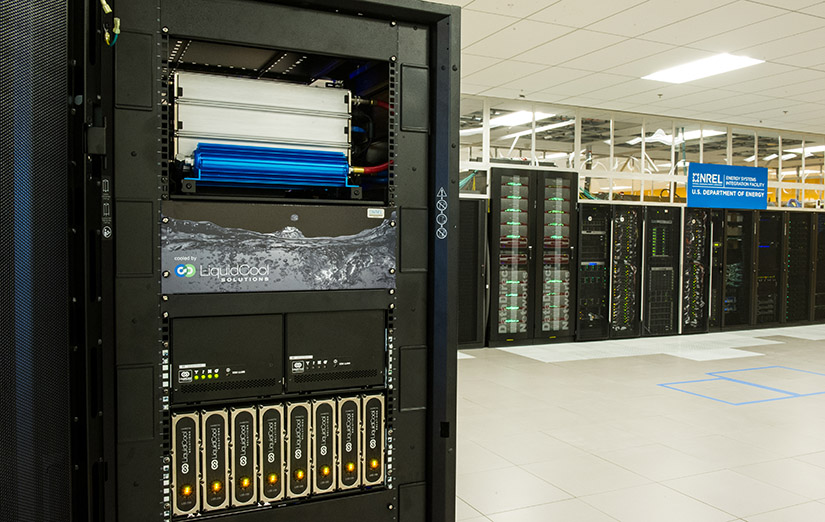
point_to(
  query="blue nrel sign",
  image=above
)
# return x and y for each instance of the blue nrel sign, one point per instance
(727, 186)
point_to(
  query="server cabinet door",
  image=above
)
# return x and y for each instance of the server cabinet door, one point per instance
(798, 266)
(739, 269)
(696, 270)
(768, 266)
(661, 271)
(626, 273)
(472, 280)
(819, 296)
(511, 317)
(594, 260)
(717, 268)
(555, 267)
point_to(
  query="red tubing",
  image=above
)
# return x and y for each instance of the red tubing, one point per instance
(376, 169)
(382, 104)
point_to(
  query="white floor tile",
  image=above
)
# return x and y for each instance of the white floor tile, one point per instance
(563, 511)
(505, 490)
(655, 503)
(802, 513)
(735, 493)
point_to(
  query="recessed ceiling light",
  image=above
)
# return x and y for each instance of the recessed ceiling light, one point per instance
(711, 66)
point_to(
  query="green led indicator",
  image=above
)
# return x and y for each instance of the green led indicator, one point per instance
(510, 295)
(555, 224)
(513, 197)
(514, 184)
(512, 210)
(511, 321)
(555, 199)
(209, 376)
(555, 211)
(514, 223)
(512, 308)
(556, 237)
(512, 282)
(513, 236)
(197, 377)
(555, 281)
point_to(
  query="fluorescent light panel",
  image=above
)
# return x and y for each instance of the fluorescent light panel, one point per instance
(711, 66)
(508, 120)
(539, 129)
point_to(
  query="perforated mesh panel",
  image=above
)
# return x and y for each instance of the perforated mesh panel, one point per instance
(34, 408)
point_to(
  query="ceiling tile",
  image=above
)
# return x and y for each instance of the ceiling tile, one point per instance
(504, 70)
(501, 92)
(816, 9)
(653, 15)
(471, 63)
(718, 21)
(756, 34)
(461, 3)
(516, 39)
(807, 59)
(798, 43)
(627, 88)
(618, 54)
(671, 58)
(591, 83)
(546, 97)
(471, 88)
(762, 70)
(575, 13)
(519, 8)
(546, 78)
(817, 96)
(758, 85)
(568, 47)
(476, 25)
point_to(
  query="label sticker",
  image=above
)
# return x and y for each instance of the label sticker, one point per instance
(375, 213)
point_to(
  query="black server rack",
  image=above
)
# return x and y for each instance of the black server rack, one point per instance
(662, 229)
(511, 275)
(770, 228)
(555, 295)
(799, 241)
(472, 273)
(626, 272)
(532, 285)
(594, 262)
(256, 210)
(739, 270)
(819, 274)
(697, 242)
(716, 281)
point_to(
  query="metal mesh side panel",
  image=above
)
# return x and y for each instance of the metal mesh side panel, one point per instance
(34, 407)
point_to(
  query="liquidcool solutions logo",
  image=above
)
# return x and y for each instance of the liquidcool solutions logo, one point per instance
(236, 274)
(185, 270)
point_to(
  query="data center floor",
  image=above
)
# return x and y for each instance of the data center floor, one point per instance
(587, 432)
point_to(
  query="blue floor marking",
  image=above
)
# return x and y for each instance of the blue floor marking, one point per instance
(717, 377)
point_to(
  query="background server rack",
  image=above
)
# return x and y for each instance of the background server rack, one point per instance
(594, 263)
(472, 273)
(738, 268)
(201, 370)
(799, 242)
(770, 228)
(532, 230)
(661, 272)
(819, 284)
(696, 270)
(717, 272)
(626, 242)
